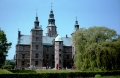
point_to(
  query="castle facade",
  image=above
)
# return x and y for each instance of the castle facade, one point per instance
(40, 51)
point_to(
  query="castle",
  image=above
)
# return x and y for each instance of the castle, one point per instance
(40, 51)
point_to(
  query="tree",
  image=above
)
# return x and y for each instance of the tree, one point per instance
(4, 47)
(9, 64)
(97, 48)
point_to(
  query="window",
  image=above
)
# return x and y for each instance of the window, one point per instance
(50, 16)
(52, 56)
(36, 32)
(67, 56)
(53, 63)
(23, 47)
(36, 47)
(23, 56)
(60, 61)
(36, 55)
(36, 38)
(47, 48)
(67, 49)
(23, 62)
(47, 56)
(59, 49)
(36, 62)
(60, 55)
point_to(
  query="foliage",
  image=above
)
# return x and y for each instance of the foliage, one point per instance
(97, 76)
(4, 47)
(23, 71)
(97, 48)
(7, 67)
(10, 62)
(111, 76)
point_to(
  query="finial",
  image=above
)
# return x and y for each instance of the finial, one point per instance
(51, 5)
(76, 17)
(36, 13)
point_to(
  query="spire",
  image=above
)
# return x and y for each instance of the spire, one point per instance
(76, 24)
(36, 15)
(51, 27)
(36, 22)
(51, 20)
(51, 5)
(76, 17)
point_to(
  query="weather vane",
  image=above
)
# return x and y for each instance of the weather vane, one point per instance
(36, 12)
(76, 16)
(51, 5)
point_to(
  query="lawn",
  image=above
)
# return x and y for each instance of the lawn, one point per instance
(3, 71)
(56, 71)
(110, 76)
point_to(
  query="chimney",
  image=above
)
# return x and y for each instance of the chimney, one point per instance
(19, 34)
(66, 36)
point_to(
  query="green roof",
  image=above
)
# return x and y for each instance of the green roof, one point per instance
(26, 40)
(58, 38)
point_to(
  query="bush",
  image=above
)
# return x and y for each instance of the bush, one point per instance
(7, 67)
(34, 74)
(97, 76)
(23, 71)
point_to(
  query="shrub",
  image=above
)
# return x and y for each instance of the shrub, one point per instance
(23, 71)
(97, 76)
(7, 67)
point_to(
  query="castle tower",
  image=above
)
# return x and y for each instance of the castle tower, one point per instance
(36, 51)
(76, 25)
(51, 28)
(58, 52)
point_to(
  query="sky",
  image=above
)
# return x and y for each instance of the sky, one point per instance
(20, 14)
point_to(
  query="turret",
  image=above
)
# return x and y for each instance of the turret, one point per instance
(58, 52)
(36, 22)
(76, 25)
(36, 45)
(51, 28)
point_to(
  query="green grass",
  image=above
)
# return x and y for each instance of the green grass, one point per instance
(3, 71)
(56, 71)
(110, 77)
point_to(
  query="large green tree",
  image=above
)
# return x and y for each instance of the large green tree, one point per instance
(97, 48)
(4, 47)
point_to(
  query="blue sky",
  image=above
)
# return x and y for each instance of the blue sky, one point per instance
(20, 14)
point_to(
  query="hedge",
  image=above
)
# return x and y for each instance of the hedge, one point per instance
(22, 71)
(59, 75)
